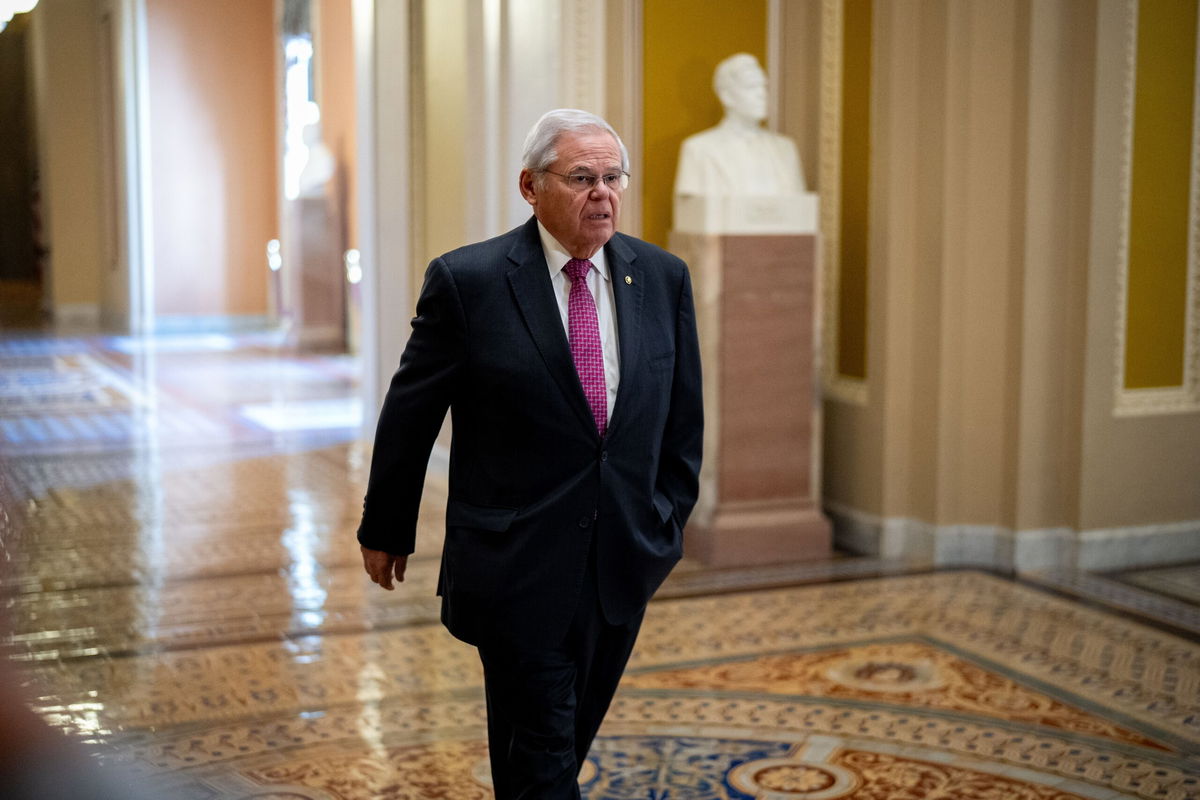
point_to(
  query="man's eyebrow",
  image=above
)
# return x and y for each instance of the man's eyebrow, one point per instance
(580, 168)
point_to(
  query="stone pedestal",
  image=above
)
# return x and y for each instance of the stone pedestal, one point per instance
(759, 494)
(315, 274)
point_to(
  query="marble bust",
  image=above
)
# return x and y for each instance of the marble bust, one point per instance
(738, 156)
(320, 166)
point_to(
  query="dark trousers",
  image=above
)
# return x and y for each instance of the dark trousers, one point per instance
(544, 707)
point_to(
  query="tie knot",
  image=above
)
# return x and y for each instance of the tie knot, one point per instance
(576, 268)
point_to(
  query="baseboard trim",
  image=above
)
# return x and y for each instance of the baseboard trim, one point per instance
(1145, 545)
(211, 323)
(76, 316)
(922, 543)
(317, 335)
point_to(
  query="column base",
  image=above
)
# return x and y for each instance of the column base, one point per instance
(750, 534)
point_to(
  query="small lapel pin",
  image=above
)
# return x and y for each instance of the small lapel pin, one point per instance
(628, 280)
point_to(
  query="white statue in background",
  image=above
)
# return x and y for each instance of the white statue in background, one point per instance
(320, 165)
(739, 157)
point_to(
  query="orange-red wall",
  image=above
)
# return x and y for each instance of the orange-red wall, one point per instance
(335, 65)
(212, 75)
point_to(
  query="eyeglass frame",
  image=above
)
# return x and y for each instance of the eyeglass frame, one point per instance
(621, 176)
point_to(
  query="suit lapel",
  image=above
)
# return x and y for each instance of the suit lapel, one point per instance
(534, 294)
(627, 295)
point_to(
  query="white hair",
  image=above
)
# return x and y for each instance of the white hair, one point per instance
(540, 152)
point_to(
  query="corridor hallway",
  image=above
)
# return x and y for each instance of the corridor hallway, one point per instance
(182, 594)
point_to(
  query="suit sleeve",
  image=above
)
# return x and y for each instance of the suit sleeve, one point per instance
(412, 414)
(683, 436)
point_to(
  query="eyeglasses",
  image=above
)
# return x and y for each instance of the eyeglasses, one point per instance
(582, 181)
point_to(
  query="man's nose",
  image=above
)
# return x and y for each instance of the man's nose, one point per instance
(599, 190)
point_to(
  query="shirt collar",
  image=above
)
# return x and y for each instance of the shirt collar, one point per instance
(557, 255)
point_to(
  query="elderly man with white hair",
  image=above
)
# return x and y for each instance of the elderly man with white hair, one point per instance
(567, 356)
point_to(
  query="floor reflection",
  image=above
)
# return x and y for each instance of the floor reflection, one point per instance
(182, 595)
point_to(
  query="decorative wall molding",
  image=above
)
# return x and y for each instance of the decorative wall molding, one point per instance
(774, 65)
(1167, 400)
(1191, 367)
(634, 99)
(583, 54)
(385, 57)
(623, 95)
(835, 385)
(488, 183)
(133, 158)
(1172, 400)
(997, 547)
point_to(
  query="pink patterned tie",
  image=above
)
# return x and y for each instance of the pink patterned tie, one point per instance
(583, 332)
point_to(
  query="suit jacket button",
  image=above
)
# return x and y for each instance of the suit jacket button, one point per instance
(604, 455)
(585, 521)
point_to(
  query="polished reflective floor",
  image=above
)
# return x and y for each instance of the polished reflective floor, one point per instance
(182, 596)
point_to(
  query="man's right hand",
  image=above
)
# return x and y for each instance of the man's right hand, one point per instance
(381, 566)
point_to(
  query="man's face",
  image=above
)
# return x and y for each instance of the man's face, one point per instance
(581, 220)
(747, 95)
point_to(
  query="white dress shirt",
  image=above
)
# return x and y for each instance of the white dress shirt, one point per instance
(600, 284)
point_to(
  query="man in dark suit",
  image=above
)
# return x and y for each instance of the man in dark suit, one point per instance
(567, 355)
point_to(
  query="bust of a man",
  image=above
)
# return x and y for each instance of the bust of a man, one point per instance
(739, 157)
(320, 165)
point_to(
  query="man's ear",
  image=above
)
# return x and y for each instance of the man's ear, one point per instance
(526, 185)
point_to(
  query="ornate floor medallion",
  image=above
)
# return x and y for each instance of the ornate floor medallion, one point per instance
(786, 779)
(642, 767)
(886, 675)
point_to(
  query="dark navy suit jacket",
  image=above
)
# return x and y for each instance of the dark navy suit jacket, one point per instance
(531, 481)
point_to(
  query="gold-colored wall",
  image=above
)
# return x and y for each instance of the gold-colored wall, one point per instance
(1160, 201)
(855, 188)
(70, 150)
(683, 41)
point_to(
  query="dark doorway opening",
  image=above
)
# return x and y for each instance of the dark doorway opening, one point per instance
(21, 274)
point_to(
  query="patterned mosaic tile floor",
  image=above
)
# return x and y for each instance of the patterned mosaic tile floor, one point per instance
(1181, 582)
(181, 594)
